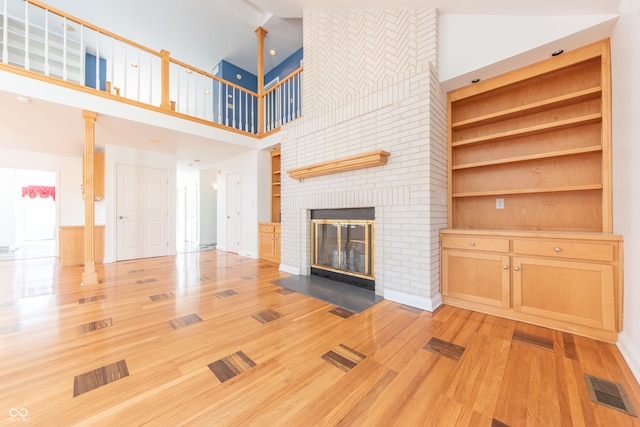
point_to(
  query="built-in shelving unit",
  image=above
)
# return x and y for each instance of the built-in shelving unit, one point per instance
(539, 139)
(275, 186)
(530, 212)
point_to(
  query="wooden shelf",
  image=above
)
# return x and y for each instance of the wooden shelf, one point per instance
(529, 191)
(535, 107)
(359, 161)
(532, 130)
(549, 155)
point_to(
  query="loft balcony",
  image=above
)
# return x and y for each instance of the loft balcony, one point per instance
(49, 45)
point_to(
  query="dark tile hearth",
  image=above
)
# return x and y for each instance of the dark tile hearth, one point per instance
(349, 297)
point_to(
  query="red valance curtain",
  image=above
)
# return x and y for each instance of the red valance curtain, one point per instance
(34, 191)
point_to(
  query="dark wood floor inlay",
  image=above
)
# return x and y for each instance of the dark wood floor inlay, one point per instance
(411, 309)
(569, 346)
(230, 366)
(248, 277)
(609, 394)
(140, 282)
(10, 328)
(92, 299)
(534, 340)
(159, 297)
(94, 326)
(135, 271)
(267, 316)
(343, 357)
(496, 423)
(444, 348)
(342, 312)
(99, 377)
(285, 291)
(183, 321)
(225, 294)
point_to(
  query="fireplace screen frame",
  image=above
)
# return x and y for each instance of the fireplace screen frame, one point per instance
(368, 242)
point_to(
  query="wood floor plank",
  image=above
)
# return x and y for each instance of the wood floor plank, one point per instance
(496, 380)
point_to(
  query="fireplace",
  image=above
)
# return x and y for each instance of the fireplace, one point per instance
(343, 245)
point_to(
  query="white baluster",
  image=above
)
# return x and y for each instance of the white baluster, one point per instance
(226, 105)
(83, 61)
(299, 96)
(26, 35)
(139, 69)
(246, 111)
(97, 60)
(219, 102)
(253, 118)
(234, 111)
(46, 43)
(5, 33)
(289, 96)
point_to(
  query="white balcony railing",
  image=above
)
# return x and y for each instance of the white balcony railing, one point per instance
(43, 40)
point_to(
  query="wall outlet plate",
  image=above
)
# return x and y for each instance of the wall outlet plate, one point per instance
(500, 203)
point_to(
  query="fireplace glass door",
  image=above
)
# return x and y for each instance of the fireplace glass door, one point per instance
(343, 246)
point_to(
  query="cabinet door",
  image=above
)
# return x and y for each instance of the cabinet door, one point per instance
(476, 277)
(266, 245)
(578, 292)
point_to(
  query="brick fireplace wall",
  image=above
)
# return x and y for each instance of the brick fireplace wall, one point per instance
(371, 83)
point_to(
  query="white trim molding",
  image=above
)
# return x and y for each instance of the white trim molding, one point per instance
(630, 352)
(417, 301)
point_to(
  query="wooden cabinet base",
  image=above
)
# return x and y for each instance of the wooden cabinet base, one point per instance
(269, 241)
(566, 281)
(71, 241)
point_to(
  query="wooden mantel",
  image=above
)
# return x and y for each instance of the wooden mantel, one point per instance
(359, 161)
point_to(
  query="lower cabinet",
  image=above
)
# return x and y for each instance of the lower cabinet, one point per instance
(269, 241)
(569, 282)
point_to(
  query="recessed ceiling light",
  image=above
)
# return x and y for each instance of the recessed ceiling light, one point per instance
(197, 161)
(475, 80)
(558, 52)
(132, 65)
(207, 92)
(239, 76)
(154, 140)
(24, 99)
(188, 71)
(68, 27)
(273, 52)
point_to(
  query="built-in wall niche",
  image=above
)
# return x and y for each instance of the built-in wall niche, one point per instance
(343, 245)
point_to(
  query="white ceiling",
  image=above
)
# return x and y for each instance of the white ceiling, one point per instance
(201, 33)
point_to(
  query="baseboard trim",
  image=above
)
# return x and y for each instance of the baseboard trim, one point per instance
(423, 303)
(630, 352)
(288, 269)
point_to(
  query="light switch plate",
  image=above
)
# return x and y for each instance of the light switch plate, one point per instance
(499, 203)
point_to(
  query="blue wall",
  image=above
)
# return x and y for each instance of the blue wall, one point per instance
(286, 67)
(229, 72)
(90, 72)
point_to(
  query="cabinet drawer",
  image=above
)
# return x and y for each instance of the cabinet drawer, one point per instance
(591, 251)
(264, 228)
(476, 243)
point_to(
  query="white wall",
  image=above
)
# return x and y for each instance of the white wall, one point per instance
(208, 207)
(482, 46)
(253, 173)
(69, 194)
(114, 155)
(625, 55)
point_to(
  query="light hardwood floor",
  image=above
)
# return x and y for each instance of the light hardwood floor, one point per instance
(206, 339)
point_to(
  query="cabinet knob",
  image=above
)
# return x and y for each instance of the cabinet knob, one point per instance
(516, 268)
(506, 267)
(472, 243)
(557, 249)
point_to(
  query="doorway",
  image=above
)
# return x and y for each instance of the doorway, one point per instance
(233, 212)
(28, 214)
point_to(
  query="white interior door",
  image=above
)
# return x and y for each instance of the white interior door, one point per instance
(142, 219)
(233, 212)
